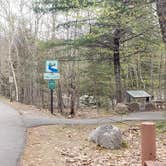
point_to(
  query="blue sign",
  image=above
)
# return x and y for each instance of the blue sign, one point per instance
(52, 66)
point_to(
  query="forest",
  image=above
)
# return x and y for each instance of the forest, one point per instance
(104, 47)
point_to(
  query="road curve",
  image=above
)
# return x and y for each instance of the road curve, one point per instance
(31, 121)
(13, 128)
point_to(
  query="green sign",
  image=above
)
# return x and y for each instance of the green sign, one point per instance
(51, 84)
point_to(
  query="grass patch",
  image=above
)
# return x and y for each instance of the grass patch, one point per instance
(124, 145)
(161, 126)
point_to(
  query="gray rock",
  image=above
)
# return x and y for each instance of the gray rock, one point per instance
(87, 100)
(121, 108)
(107, 136)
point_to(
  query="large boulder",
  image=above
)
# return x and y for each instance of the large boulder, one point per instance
(107, 136)
(121, 108)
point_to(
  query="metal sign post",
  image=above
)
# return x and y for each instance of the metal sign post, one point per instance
(51, 86)
(52, 102)
(52, 74)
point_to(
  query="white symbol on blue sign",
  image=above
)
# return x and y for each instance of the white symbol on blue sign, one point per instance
(52, 66)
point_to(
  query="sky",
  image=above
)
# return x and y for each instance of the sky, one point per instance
(21, 11)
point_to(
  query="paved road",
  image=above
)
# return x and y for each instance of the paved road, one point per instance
(31, 121)
(12, 136)
(13, 129)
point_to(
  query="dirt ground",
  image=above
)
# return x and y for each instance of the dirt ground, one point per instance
(69, 146)
(80, 114)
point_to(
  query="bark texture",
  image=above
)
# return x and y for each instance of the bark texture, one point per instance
(161, 11)
(116, 42)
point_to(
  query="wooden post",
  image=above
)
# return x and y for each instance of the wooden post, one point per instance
(148, 142)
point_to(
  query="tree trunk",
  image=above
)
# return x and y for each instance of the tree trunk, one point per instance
(151, 75)
(159, 78)
(78, 87)
(60, 99)
(116, 41)
(12, 68)
(165, 79)
(72, 101)
(161, 11)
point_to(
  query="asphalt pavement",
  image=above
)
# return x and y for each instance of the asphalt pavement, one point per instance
(13, 128)
(31, 121)
(12, 136)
